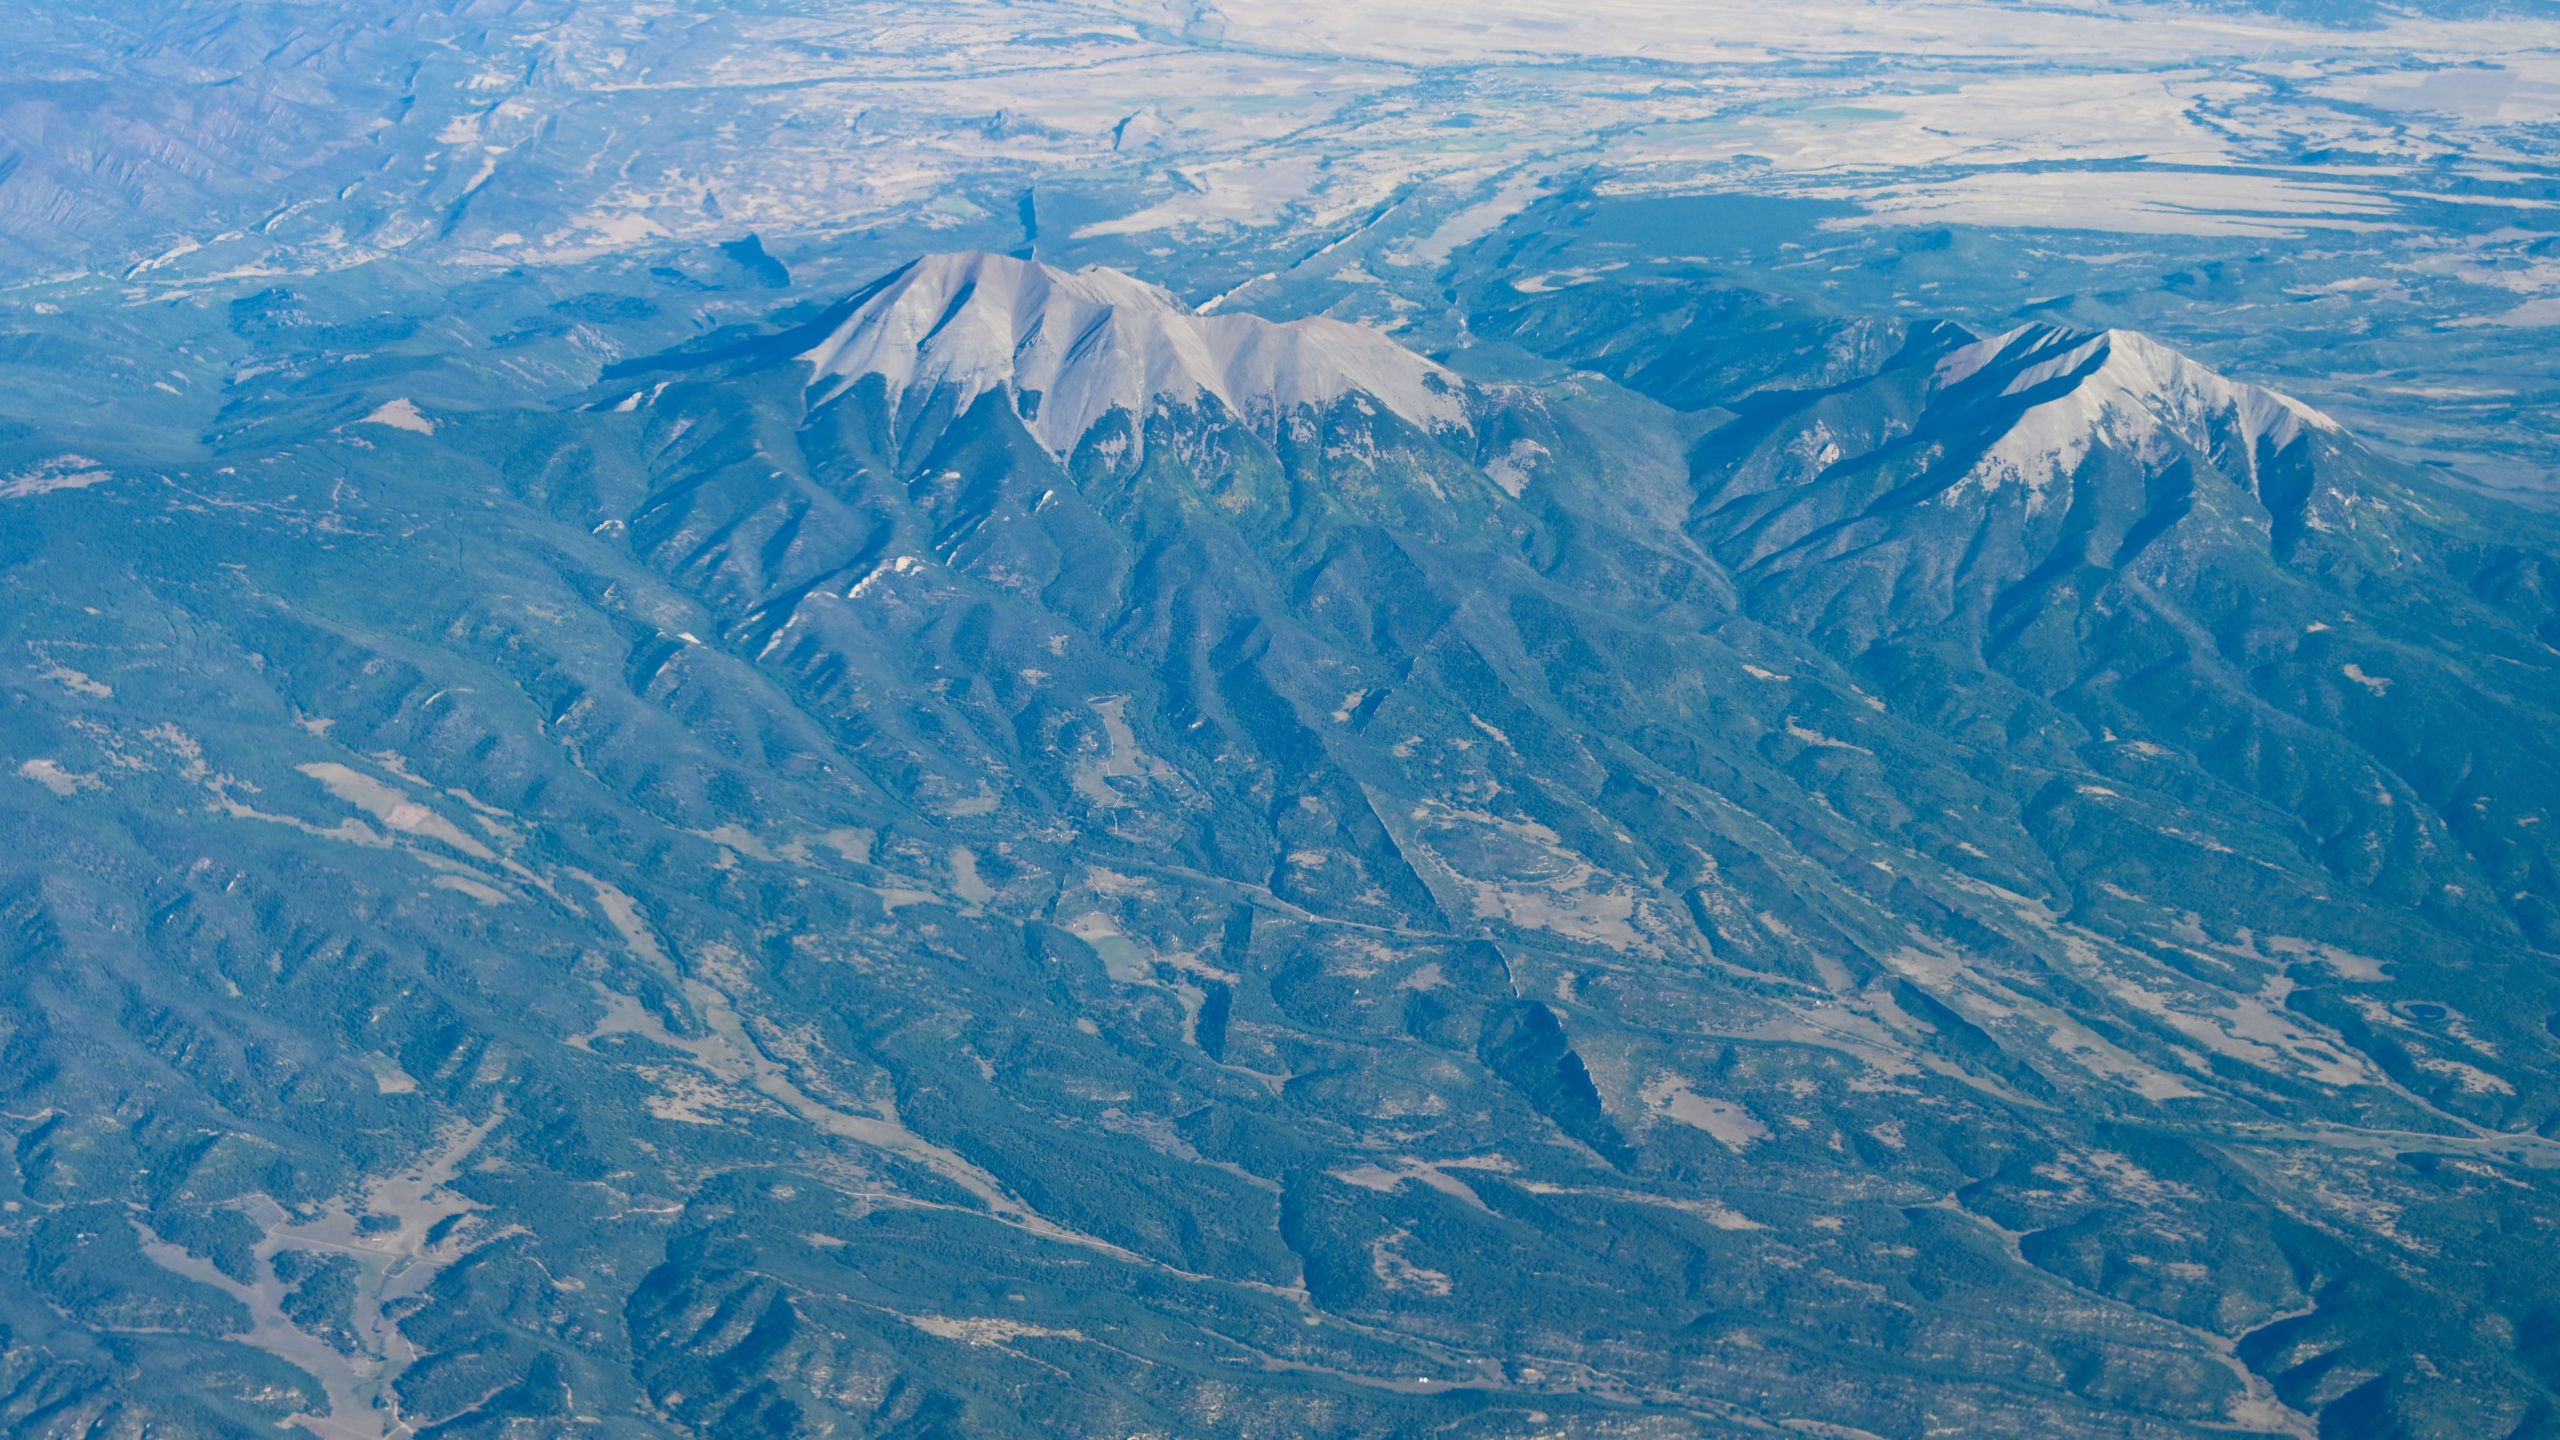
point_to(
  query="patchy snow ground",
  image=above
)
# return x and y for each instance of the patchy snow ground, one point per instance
(1309, 117)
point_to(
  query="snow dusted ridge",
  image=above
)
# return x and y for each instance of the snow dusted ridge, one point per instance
(2131, 392)
(1094, 341)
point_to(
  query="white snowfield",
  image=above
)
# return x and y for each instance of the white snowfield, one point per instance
(2137, 394)
(1092, 341)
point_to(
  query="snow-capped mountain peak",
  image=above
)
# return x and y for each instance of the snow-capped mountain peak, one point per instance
(1088, 342)
(2116, 388)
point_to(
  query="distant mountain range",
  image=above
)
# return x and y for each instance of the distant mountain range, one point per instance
(1009, 857)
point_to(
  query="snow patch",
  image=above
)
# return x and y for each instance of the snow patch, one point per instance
(62, 472)
(401, 414)
(65, 783)
(903, 565)
(1513, 469)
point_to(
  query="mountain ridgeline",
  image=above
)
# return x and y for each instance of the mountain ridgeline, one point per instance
(1131, 870)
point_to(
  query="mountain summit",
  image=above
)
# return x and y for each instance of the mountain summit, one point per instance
(2114, 388)
(1071, 347)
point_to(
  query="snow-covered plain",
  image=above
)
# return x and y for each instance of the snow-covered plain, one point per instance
(693, 120)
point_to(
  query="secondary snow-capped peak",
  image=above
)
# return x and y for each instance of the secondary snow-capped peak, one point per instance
(2117, 388)
(1092, 341)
